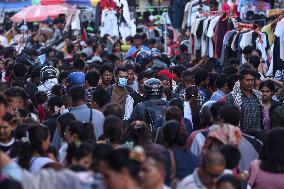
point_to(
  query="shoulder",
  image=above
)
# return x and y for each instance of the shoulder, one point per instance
(187, 182)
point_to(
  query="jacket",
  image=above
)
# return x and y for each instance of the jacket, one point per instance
(278, 117)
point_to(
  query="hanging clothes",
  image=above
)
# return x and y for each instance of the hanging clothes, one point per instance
(178, 13)
(109, 23)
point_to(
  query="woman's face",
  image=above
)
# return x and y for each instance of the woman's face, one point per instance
(117, 47)
(266, 93)
(112, 179)
(168, 41)
(77, 47)
(68, 136)
(150, 174)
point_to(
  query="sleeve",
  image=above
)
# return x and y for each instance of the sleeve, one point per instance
(253, 171)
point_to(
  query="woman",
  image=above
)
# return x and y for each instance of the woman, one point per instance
(121, 168)
(153, 172)
(113, 131)
(267, 89)
(33, 149)
(6, 133)
(183, 162)
(269, 171)
(79, 155)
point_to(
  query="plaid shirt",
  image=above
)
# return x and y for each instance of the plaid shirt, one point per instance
(251, 115)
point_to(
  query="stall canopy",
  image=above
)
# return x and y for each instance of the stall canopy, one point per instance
(14, 6)
(83, 2)
(47, 2)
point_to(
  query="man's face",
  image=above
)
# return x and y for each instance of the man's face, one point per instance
(107, 77)
(137, 42)
(140, 83)
(166, 84)
(16, 102)
(131, 75)
(247, 83)
(122, 75)
(5, 131)
(211, 174)
(187, 81)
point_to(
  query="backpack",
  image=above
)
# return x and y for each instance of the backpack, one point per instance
(154, 112)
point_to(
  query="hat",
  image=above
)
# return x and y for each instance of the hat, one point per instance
(94, 59)
(77, 78)
(166, 74)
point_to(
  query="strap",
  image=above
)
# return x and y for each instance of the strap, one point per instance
(173, 164)
(91, 116)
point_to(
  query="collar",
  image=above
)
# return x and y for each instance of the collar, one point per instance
(197, 179)
(83, 106)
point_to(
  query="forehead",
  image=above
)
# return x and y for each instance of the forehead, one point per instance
(248, 76)
(122, 73)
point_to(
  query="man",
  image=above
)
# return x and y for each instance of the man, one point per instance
(89, 49)
(137, 45)
(121, 93)
(92, 81)
(248, 100)
(6, 133)
(206, 175)
(106, 72)
(157, 62)
(58, 26)
(16, 98)
(131, 82)
(82, 112)
(222, 89)
(19, 75)
(154, 108)
(100, 98)
(187, 79)
(48, 75)
(201, 80)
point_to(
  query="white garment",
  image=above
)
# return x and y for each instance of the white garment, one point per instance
(210, 34)
(262, 46)
(37, 163)
(279, 32)
(187, 111)
(204, 37)
(47, 86)
(270, 69)
(128, 107)
(75, 23)
(62, 152)
(109, 23)
(3, 41)
(245, 41)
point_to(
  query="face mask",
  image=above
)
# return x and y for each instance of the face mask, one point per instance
(164, 99)
(122, 82)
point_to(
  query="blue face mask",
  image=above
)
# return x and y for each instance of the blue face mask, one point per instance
(122, 82)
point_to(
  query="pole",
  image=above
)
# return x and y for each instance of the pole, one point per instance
(165, 34)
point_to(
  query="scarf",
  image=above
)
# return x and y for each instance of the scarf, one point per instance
(237, 95)
(119, 95)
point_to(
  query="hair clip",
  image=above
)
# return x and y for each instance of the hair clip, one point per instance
(137, 154)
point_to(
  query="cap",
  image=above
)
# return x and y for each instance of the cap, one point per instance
(77, 78)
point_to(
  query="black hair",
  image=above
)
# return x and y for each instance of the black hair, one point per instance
(172, 134)
(40, 97)
(221, 81)
(54, 101)
(63, 121)
(215, 108)
(141, 75)
(200, 75)
(101, 97)
(230, 114)
(106, 67)
(186, 73)
(57, 90)
(119, 159)
(177, 102)
(254, 61)
(7, 117)
(231, 80)
(233, 61)
(77, 93)
(269, 84)
(3, 100)
(230, 70)
(244, 72)
(70, 48)
(62, 75)
(113, 108)
(138, 132)
(247, 49)
(10, 184)
(258, 52)
(152, 41)
(273, 156)
(129, 66)
(78, 150)
(191, 94)
(209, 67)
(84, 131)
(79, 64)
(232, 155)
(113, 129)
(36, 135)
(120, 69)
(16, 92)
(20, 70)
(92, 78)
(129, 38)
(35, 73)
(235, 182)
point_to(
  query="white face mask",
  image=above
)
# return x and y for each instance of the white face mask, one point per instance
(164, 98)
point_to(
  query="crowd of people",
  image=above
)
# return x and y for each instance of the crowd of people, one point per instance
(104, 113)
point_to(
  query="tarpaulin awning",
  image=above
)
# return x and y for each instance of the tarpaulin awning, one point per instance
(14, 6)
(47, 2)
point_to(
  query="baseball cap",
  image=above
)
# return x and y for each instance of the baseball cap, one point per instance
(77, 78)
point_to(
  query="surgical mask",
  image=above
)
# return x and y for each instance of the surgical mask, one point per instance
(122, 82)
(164, 99)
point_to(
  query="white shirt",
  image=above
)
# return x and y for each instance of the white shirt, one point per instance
(279, 32)
(37, 163)
(3, 41)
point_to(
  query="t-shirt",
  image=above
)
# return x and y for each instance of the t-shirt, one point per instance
(279, 33)
(6, 147)
(37, 163)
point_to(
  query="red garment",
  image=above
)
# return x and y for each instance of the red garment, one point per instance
(107, 4)
(41, 113)
(226, 7)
